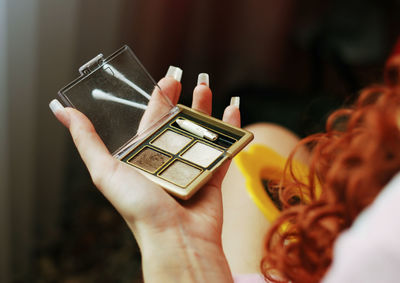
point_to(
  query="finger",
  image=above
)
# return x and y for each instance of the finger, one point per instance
(232, 115)
(202, 95)
(170, 85)
(170, 88)
(212, 189)
(60, 113)
(91, 148)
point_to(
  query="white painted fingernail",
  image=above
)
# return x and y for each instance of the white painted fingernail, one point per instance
(56, 106)
(203, 79)
(235, 101)
(175, 73)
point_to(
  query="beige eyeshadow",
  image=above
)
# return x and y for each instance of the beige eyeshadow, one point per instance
(202, 154)
(149, 159)
(180, 173)
(171, 141)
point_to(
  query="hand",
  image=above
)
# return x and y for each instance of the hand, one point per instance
(166, 229)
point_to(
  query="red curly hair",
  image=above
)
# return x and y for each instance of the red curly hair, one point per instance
(353, 161)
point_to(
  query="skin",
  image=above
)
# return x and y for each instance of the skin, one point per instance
(245, 226)
(180, 241)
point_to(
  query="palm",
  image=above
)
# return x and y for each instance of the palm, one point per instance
(139, 199)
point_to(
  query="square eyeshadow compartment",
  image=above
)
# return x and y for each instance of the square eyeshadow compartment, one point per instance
(149, 159)
(201, 154)
(171, 141)
(180, 173)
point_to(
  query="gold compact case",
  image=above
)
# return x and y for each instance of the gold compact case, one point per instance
(172, 145)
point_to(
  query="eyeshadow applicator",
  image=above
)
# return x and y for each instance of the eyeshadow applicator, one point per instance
(196, 129)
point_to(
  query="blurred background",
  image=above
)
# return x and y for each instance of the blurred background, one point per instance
(291, 62)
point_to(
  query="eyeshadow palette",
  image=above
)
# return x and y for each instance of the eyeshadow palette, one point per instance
(173, 145)
(176, 155)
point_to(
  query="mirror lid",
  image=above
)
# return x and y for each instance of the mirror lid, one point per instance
(114, 93)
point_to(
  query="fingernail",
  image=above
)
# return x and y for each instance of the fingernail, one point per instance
(56, 106)
(175, 73)
(203, 79)
(235, 101)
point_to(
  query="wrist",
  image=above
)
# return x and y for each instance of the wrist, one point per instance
(175, 256)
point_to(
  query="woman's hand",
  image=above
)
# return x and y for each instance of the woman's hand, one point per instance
(179, 240)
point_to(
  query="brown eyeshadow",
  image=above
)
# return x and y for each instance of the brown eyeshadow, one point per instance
(180, 173)
(149, 160)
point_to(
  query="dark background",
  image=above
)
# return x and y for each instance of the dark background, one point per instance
(291, 62)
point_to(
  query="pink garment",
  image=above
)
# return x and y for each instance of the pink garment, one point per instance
(370, 250)
(249, 278)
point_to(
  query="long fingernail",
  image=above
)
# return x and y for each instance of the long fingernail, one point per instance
(175, 73)
(203, 79)
(60, 112)
(55, 106)
(235, 101)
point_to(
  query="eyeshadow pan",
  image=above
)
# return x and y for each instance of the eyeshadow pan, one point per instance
(202, 154)
(171, 141)
(180, 173)
(149, 159)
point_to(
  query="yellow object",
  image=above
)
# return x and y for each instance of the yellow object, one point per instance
(260, 162)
